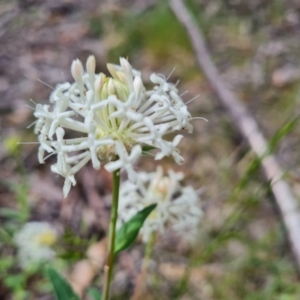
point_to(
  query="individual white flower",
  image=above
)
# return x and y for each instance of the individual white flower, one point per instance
(34, 243)
(177, 206)
(112, 118)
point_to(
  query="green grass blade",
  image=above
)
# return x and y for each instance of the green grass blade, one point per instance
(62, 288)
(94, 293)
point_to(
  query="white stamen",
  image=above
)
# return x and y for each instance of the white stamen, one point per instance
(192, 99)
(31, 124)
(170, 74)
(199, 118)
(29, 106)
(184, 93)
(46, 84)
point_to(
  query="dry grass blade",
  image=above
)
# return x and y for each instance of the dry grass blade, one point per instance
(248, 127)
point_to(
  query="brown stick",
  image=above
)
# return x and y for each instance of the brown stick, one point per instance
(248, 127)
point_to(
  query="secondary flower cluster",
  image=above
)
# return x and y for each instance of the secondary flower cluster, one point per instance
(177, 206)
(34, 243)
(112, 118)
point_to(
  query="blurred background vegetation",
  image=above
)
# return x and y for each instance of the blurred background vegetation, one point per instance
(241, 251)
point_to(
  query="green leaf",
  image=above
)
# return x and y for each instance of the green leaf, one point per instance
(281, 133)
(9, 213)
(94, 293)
(15, 281)
(5, 236)
(147, 148)
(62, 288)
(127, 234)
(6, 263)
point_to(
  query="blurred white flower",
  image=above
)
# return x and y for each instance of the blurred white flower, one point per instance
(34, 243)
(112, 117)
(177, 206)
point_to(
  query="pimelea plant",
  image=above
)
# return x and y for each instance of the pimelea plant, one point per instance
(177, 208)
(177, 205)
(114, 118)
(109, 120)
(34, 242)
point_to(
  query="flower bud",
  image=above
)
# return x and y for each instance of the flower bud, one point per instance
(163, 185)
(91, 65)
(138, 86)
(104, 91)
(77, 70)
(127, 69)
(113, 87)
(99, 82)
(121, 76)
(113, 70)
(121, 90)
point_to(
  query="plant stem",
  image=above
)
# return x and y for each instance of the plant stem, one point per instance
(141, 279)
(112, 233)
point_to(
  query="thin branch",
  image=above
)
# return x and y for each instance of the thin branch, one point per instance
(248, 127)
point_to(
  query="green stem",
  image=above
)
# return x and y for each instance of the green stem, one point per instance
(141, 279)
(148, 253)
(112, 233)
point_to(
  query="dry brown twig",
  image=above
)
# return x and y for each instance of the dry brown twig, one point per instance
(248, 128)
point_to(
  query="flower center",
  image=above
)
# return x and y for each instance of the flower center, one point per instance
(111, 126)
(110, 87)
(47, 238)
(115, 87)
(159, 193)
(163, 185)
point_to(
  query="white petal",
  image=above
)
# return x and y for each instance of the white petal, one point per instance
(67, 186)
(132, 175)
(177, 140)
(60, 133)
(95, 160)
(114, 165)
(41, 153)
(178, 158)
(159, 155)
(83, 162)
(135, 152)
(134, 116)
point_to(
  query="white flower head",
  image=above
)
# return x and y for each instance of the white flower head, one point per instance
(112, 118)
(34, 243)
(177, 206)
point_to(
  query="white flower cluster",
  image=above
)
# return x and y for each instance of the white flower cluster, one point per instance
(177, 206)
(34, 243)
(112, 117)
